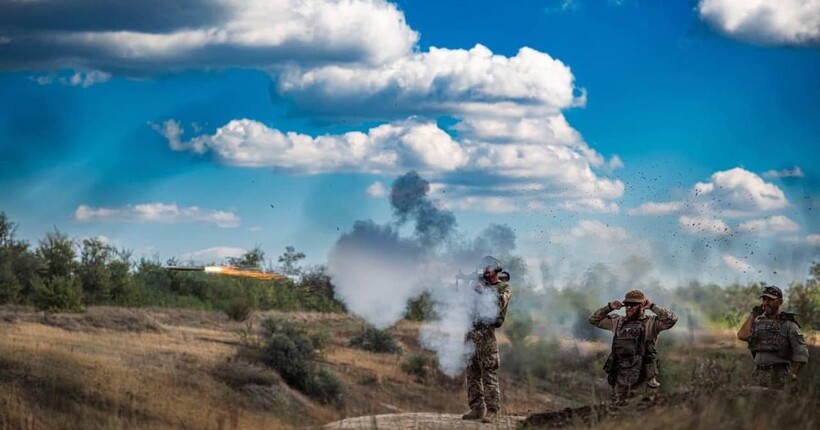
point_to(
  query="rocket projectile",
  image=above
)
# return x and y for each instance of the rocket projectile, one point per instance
(185, 268)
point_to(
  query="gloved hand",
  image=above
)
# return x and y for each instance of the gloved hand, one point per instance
(757, 311)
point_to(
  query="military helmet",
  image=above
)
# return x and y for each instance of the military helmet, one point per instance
(491, 263)
(772, 292)
(634, 296)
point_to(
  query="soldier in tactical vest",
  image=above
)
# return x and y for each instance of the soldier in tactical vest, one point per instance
(483, 392)
(632, 362)
(776, 342)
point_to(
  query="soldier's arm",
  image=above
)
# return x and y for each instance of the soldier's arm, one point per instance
(745, 331)
(504, 294)
(666, 318)
(800, 351)
(602, 319)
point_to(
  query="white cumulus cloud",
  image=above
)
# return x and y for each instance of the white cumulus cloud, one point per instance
(769, 226)
(737, 192)
(376, 190)
(813, 239)
(703, 225)
(529, 170)
(737, 264)
(786, 22)
(592, 229)
(655, 208)
(440, 80)
(212, 255)
(158, 213)
(795, 172)
(168, 35)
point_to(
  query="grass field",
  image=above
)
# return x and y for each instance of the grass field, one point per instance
(118, 368)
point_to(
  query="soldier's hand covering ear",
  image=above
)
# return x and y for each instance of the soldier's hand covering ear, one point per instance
(757, 311)
(615, 304)
(646, 303)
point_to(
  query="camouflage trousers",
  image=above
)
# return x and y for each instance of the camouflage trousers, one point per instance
(631, 382)
(772, 376)
(622, 393)
(483, 391)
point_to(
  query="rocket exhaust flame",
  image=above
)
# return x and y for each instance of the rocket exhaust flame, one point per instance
(229, 271)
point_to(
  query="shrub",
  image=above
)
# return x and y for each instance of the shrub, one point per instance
(375, 340)
(291, 353)
(418, 365)
(325, 387)
(60, 293)
(239, 309)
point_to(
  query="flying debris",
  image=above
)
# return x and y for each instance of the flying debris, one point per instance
(229, 271)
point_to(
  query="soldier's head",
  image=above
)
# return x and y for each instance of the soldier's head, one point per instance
(771, 297)
(491, 267)
(633, 302)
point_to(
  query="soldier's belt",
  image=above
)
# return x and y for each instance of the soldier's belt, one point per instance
(774, 366)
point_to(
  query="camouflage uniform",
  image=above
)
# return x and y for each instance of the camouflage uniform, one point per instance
(776, 343)
(628, 372)
(482, 370)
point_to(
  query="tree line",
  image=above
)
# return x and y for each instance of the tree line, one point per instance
(65, 274)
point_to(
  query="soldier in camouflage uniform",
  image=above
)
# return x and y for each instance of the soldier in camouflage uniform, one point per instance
(776, 342)
(483, 392)
(632, 363)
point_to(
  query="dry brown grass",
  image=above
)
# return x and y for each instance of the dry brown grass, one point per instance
(115, 368)
(53, 378)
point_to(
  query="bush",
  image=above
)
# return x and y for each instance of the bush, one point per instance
(239, 309)
(61, 293)
(375, 340)
(325, 387)
(291, 353)
(418, 365)
(420, 308)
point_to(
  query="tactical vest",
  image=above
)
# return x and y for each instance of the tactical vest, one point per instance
(632, 359)
(770, 336)
(628, 342)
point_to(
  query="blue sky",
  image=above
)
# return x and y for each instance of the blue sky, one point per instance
(685, 134)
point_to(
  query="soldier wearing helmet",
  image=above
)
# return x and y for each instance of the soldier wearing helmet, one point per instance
(776, 342)
(483, 391)
(632, 362)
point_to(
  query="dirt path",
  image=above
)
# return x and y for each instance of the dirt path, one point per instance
(423, 420)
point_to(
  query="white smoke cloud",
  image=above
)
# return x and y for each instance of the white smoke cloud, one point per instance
(776, 22)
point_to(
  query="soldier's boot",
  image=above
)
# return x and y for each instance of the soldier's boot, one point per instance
(474, 414)
(489, 417)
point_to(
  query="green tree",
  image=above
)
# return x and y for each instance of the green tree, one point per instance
(94, 270)
(10, 287)
(57, 252)
(289, 261)
(804, 299)
(59, 287)
(252, 259)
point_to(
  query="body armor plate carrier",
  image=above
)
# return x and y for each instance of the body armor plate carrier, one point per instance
(632, 356)
(770, 336)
